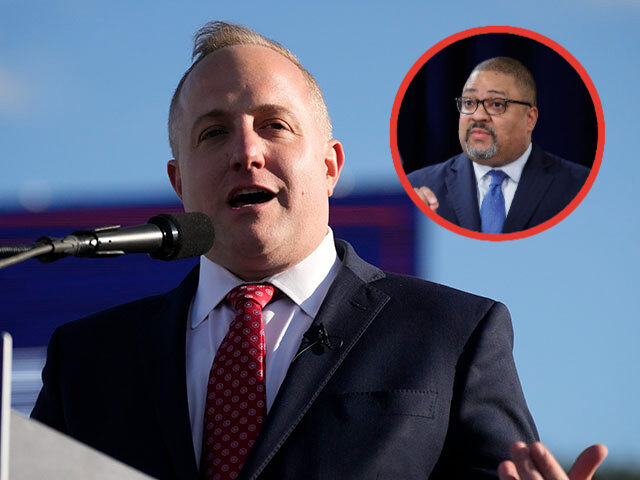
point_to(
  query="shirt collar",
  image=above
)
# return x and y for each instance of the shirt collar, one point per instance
(306, 283)
(513, 169)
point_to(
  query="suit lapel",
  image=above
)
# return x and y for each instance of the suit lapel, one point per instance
(462, 193)
(164, 368)
(348, 309)
(534, 183)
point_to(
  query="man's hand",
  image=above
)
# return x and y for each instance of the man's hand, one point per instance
(537, 463)
(428, 197)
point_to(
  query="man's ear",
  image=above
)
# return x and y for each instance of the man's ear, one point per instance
(173, 170)
(333, 160)
(532, 118)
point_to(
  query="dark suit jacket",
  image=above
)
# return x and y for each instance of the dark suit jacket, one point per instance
(547, 185)
(424, 384)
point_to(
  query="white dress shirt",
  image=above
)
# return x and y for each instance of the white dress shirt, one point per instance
(509, 184)
(285, 321)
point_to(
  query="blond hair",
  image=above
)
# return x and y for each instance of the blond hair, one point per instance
(216, 35)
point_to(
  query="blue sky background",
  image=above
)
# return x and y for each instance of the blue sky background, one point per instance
(84, 92)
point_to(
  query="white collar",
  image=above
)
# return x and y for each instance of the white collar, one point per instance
(512, 169)
(306, 283)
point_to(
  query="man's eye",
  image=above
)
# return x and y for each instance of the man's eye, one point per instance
(497, 104)
(468, 102)
(276, 125)
(212, 132)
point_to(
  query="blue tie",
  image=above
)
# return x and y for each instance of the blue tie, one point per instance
(492, 212)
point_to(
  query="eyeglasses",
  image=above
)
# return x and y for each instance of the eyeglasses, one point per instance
(493, 106)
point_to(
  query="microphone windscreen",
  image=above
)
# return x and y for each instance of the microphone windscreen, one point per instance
(194, 234)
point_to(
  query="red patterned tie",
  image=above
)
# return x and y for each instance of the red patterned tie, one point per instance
(236, 401)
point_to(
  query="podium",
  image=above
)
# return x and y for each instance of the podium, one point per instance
(30, 450)
(37, 451)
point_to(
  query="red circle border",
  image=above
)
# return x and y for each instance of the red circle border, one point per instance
(559, 49)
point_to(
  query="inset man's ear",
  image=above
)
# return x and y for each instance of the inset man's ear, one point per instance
(532, 118)
(333, 160)
(173, 170)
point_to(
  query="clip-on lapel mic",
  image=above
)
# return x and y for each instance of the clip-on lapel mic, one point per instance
(315, 338)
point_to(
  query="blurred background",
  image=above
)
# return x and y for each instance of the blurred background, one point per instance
(84, 95)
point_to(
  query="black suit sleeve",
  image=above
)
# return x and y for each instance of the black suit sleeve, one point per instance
(488, 410)
(48, 407)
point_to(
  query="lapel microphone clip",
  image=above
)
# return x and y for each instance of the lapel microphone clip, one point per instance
(316, 338)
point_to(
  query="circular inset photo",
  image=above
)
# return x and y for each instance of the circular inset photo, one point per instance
(497, 133)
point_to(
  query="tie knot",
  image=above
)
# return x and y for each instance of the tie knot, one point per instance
(497, 177)
(260, 294)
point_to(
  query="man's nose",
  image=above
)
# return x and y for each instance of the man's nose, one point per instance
(247, 149)
(480, 115)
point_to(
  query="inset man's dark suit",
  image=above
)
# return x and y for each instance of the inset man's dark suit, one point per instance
(547, 185)
(424, 384)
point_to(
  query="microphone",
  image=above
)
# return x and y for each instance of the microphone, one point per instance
(165, 237)
(317, 337)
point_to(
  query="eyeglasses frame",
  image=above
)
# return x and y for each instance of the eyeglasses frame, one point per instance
(458, 101)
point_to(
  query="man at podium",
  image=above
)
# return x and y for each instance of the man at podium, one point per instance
(284, 355)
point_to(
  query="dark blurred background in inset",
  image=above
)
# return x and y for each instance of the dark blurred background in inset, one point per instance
(428, 118)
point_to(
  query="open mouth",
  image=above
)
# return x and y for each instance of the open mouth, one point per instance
(250, 196)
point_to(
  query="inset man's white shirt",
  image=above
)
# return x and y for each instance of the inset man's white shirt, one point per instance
(509, 184)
